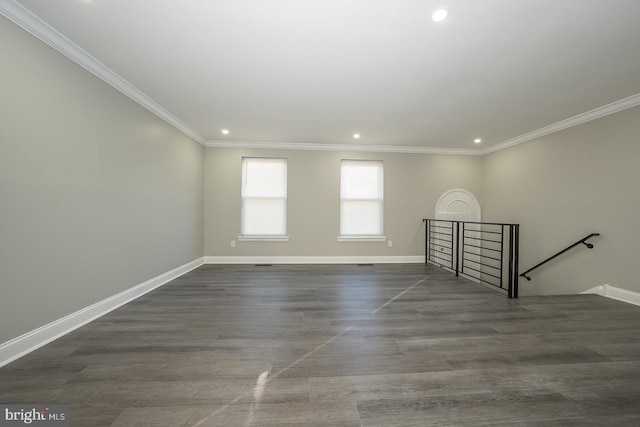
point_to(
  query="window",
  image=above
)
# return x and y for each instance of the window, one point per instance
(361, 199)
(264, 198)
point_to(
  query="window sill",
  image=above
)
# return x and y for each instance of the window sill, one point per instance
(362, 238)
(263, 238)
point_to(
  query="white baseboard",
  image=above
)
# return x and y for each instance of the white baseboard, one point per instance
(24, 344)
(615, 293)
(409, 259)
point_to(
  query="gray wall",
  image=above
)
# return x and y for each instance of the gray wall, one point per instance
(564, 186)
(96, 194)
(412, 184)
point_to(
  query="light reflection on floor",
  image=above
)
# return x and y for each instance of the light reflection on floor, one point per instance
(264, 378)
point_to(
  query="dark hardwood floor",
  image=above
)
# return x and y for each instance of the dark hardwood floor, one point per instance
(341, 345)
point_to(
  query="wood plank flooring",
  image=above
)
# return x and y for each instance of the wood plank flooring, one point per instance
(341, 345)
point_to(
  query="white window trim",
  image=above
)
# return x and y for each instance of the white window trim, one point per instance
(265, 238)
(359, 237)
(362, 238)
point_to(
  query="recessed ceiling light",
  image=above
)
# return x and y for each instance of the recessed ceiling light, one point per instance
(356, 136)
(477, 140)
(439, 15)
(225, 131)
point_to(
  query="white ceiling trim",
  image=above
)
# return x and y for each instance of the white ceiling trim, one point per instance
(596, 113)
(22, 17)
(341, 147)
(40, 29)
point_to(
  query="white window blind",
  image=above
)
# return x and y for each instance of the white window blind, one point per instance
(361, 198)
(264, 197)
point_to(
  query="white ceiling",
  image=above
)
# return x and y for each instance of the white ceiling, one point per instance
(317, 71)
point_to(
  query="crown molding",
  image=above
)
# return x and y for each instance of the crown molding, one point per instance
(24, 18)
(596, 113)
(31, 23)
(341, 147)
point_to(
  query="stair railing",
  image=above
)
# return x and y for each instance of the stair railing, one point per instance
(483, 252)
(582, 241)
